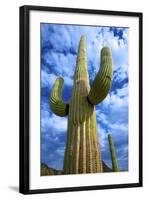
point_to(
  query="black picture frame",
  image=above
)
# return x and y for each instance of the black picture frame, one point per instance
(25, 105)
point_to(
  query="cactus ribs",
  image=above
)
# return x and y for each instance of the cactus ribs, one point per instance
(82, 154)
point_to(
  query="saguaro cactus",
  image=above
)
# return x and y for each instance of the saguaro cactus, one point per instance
(113, 154)
(82, 154)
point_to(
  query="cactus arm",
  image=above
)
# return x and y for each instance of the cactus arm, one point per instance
(57, 106)
(103, 80)
(113, 154)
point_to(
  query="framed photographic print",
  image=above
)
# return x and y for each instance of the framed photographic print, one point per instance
(80, 99)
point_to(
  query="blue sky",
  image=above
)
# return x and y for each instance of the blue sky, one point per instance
(59, 45)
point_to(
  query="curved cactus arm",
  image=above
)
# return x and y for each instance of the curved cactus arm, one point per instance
(103, 79)
(59, 107)
(113, 154)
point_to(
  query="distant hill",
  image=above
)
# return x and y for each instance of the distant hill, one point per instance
(45, 170)
(106, 168)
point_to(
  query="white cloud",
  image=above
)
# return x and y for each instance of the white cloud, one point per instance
(67, 37)
(60, 151)
(101, 117)
(47, 80)
(68, 81)
(117, 99)
(123, 92)
(121, 73)
(52, 121)
(118, 128)
(103, 137)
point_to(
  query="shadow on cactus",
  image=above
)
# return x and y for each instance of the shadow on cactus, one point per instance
(82, 153)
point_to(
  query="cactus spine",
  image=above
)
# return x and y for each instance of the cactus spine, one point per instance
(113, 154)
(82, 154)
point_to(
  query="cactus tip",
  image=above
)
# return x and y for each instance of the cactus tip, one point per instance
(109, 136)
(105, 51)
(60, 79)
(82, 37)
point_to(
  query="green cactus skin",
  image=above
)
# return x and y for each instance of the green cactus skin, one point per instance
(57, 106)
(103, 80)
(113, 154)
(82, 153)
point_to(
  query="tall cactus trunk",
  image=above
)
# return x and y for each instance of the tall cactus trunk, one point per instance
(82, 153)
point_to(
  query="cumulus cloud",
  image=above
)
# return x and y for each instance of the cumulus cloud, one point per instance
(121, 73)
(47, 80)
(49, 121)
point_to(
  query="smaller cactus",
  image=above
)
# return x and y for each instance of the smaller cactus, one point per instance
(113, 154)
